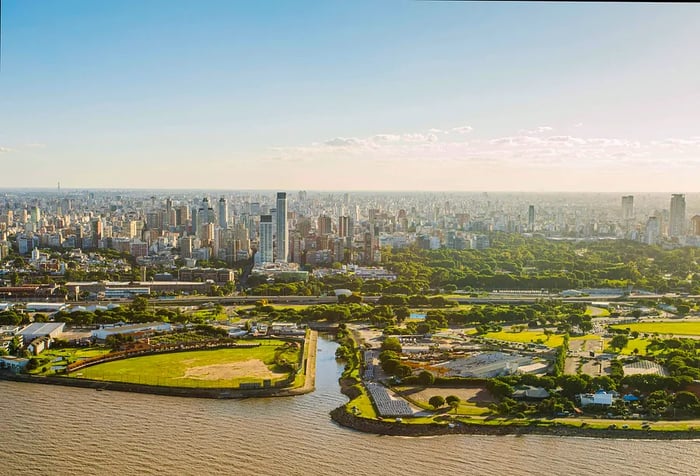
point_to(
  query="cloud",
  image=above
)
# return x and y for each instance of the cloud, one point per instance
(461, 130)
(536, 130)
(534, 150)
(343, 142)
(4, 150)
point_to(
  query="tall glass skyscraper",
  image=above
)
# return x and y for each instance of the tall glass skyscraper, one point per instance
(223, 213)
(282, 229)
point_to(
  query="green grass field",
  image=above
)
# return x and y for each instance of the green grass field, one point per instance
(596, 311)
(640, 344)
(206, 368)
(685, 328)
(532, 337)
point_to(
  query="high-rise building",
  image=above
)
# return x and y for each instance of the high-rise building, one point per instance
(653, 230)
(282, 228)
(96, 232)
(36, 215)
(265, 247)
(531, 218)
(628, 207)
(676, 224)
(343, 225)
(223, 213)
(324, 225)
(696, 225)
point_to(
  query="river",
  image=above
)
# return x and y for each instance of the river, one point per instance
(61, 430)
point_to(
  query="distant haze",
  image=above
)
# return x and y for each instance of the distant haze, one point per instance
(360, 95)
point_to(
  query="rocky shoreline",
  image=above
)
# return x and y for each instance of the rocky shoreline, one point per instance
(342, 417)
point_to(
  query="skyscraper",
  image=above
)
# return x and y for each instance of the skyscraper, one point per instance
(223, 213)
(531, 218)
(265, 247)
(343, 225)
(628, 207)
(676, 224)
(653, 230)
(282, 228)
(96, 226)
(696, 225)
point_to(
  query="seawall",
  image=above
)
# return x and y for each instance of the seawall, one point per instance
(391, 428)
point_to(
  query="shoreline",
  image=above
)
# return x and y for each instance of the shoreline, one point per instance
(382, 427)
(193, 392)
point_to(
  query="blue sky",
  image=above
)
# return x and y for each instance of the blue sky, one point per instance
(350, 95)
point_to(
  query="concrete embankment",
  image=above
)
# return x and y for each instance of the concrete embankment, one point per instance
(382, 427)
(309, 384)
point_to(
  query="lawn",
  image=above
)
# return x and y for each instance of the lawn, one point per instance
(685, 328)
(596, 311)
(205, 368)
(364, 406)
(63, 357)
(640, 344)
(534, 337)
(210, 314)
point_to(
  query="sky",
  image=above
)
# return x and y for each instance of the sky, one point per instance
(360, 95)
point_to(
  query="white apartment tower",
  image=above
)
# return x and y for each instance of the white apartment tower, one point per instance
(265, 247)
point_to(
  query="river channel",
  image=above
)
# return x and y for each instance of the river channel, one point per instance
(60, 430)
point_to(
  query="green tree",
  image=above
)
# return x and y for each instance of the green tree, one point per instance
(391, 343)
(685, 400)
(139, 304)
(426, 378)
(436, 401)
(453, 401)
(619, 342)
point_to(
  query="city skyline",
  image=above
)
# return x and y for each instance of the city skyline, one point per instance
(325, 96)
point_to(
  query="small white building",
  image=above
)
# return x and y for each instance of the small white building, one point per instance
(45, 306)
(286, 328)
(601, 397)
(106, 331)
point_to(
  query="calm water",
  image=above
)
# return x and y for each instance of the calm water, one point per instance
(61, 430)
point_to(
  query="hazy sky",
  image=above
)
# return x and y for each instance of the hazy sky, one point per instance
(354, 95)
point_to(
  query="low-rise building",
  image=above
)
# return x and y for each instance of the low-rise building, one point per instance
(286, 329)
(13, 364)
(218, 275)
(42, 329)
(601, 397)
(104, 332)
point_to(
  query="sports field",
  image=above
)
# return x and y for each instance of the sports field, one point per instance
(684, 328)
(202, 368)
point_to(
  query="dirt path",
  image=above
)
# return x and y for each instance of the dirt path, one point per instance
(310, 382)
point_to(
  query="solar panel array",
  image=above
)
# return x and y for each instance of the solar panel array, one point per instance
(386, 406)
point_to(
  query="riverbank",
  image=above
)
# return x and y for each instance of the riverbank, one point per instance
(383, 427)
(217, 393)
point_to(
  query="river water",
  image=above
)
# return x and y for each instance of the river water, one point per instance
(61, 430)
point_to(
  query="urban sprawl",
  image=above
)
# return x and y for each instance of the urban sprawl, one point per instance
(450, 309)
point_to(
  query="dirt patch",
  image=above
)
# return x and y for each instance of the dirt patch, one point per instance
(234, 370)
(471, 395)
